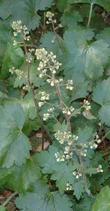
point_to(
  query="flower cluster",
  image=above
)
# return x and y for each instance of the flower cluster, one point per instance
(94, 144)
(49, 113)
(47, 62)
(69, 85)
(20, 74)
(20, 29)
(53, 81)
(69, 187)
(86, 105)
(44, 97)
(63, 136)
(77, 174)
(99, 169)
(50, 18)
(84, 152)
(67, 139)
(68, 111)
(29, 57)
(59, 157)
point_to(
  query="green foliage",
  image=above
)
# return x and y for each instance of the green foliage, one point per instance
(42, 199)
(2, 208)
(103, 200)
(55, 104)
(28, 11)
(12, 140)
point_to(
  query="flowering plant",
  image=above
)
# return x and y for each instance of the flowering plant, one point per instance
(58, 87)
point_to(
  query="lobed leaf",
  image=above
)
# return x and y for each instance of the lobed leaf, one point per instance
(14, 145)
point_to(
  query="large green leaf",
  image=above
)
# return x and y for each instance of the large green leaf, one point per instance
(14, 145)
(83, 58)
(61, 172)
(24, 10)
(101, 93)
(23, 177)
(102, 202)
(43, 200)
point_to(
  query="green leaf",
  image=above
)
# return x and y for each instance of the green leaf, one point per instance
(83, 58)
(85, 204)
(2, 208)
(105, 35)
(102, 202)
(101, 93)
(43, 200)
(61, 172)
(62, 4)
(78, 189)
(80, 89)
(85, 134)
(14, 145)
(14, 56)
(71, 19)
(4, 37)
(22, 178)
(43, 4)
(52, 43)
(49, 157)
(104, 114)
(28, 106)
(24, 10)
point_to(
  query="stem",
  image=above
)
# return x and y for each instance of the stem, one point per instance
(57, 37)
(35, 101)
(62, 104)
(83, 174)
(9, 199)
(90, 14)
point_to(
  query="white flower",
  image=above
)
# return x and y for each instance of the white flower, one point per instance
(59, 157)
(46, 116)
(44, 96)
(99, 169)
(50, 17)
(68, 111)
(19, 28)
(86, 105)
(47, 63)
(69, 85)
(63, 136)
(69, 187)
